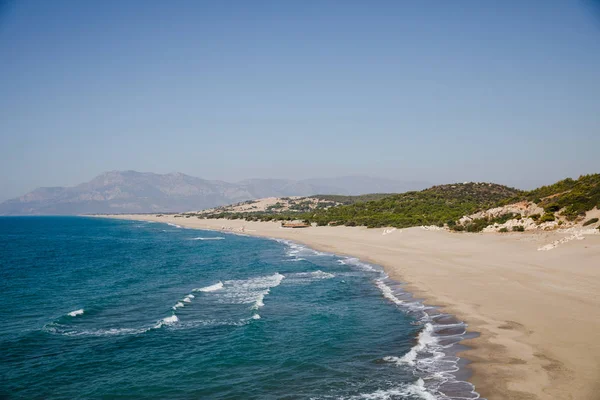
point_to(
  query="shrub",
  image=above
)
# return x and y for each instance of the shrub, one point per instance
(503, 230)
(518, 228)
(590, 221)
(535, 217)
(551, 208)
(547, 217)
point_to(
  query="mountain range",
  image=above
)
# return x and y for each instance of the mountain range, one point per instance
(141, 192)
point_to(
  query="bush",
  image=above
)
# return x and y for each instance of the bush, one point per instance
(551, 208)
(535, 217)
(547, 217)
(590, 221)
(518, 228)
(503, 230)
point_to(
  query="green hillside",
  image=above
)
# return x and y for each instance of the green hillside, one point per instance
(337, 198)
(575, 196)
(440, 205)
(433, 206)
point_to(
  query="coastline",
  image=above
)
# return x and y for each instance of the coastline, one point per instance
(537, 312)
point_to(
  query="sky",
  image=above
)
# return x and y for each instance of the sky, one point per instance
(437, 91)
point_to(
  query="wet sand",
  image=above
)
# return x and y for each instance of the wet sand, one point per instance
(537, 312)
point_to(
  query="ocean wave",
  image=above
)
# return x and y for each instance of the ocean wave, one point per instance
(171, 322)
(387, 292)
(178, 305)
(75, 313)
(296, 248)
(208, 238)
(431, 359)
(210, 288)
(174, 225)
(247, 291)
(307, 277)
(357, 263)
(415, 389)
(167, 321)
(95, 332)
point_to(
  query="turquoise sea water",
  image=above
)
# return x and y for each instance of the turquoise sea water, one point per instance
(98, 308)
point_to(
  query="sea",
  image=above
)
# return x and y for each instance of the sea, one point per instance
(95, 308)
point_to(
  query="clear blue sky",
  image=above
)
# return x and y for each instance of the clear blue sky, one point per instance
(442, 91)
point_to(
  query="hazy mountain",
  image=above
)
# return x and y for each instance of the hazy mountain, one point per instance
(137, 192)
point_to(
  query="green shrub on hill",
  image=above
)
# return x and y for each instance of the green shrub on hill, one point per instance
(575, 197)
(590, 221)
(438, 205)
(547, 217)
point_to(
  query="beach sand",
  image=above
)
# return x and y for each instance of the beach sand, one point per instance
(537, 312)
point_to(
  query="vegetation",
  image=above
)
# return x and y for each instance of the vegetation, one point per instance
(439, 205)
(574, 197)
(477, 225)
(547, 217)
(590, 221)
(345, 200)
(518, 228)
(503, 230)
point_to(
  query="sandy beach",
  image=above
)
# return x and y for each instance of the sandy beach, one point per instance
(537, 312)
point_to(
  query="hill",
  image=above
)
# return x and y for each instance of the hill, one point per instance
(566, 204)
(572, 197)
(436, 205)
(144, 192)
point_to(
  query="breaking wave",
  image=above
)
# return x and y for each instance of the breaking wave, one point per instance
(75, 313)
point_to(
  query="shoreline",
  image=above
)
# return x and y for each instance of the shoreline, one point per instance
(536, 312)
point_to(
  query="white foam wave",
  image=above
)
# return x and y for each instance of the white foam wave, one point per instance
(75, 313)
(260, 300)
(246, 291)
(187, 300)
(167, 321)
(210, 288)
(387, 292)
(178, 305)
(208, 238)
(424, 339)
(415, 389)
(357, 263)
(308, 277)
(59, 329)
(296, 248)
(174, 225)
